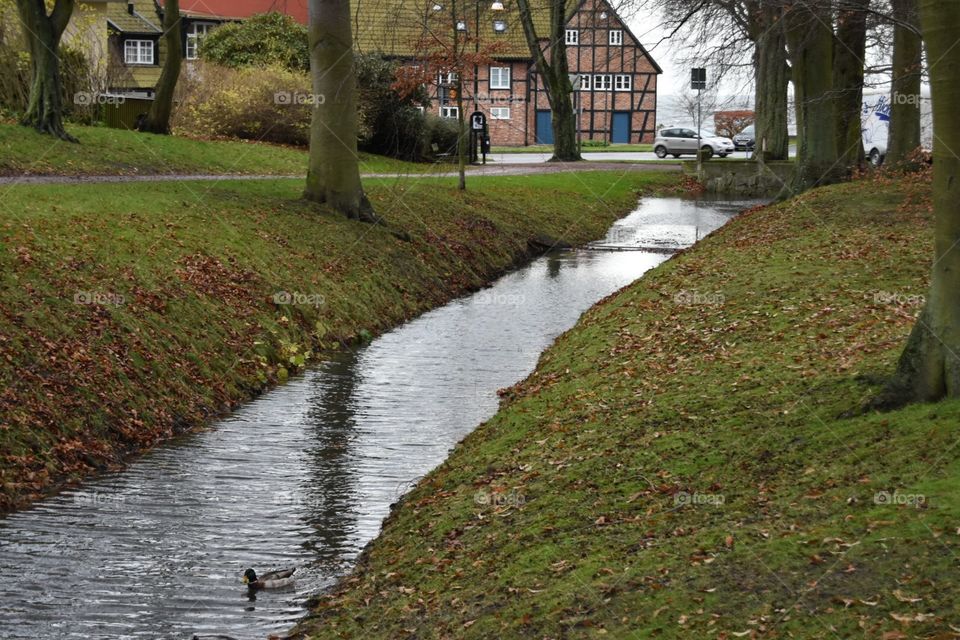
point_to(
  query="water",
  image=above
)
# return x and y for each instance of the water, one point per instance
(304, 475)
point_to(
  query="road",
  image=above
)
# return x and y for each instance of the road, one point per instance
(609, 156)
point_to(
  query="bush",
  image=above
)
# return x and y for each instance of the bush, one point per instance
(265, 40)
(268, 104)
(441, 134)
(389, 124)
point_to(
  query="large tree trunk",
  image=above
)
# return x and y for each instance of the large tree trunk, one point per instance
(810, 45)
(772, 77)
(555, 76)
(43, 32)
(158, 118)
(333, 176)
(850, 50)
(904, 135)
(929, 368)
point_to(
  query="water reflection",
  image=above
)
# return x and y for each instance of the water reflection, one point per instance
(304, 475)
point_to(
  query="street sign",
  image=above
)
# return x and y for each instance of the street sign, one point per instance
(478, 121)
(698, 79)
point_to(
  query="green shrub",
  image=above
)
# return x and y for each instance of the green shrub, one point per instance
(265, 40)
(269, 104)
(442, 134)
(389, 123)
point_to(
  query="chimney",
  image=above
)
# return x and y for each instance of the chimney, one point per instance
(130, 8)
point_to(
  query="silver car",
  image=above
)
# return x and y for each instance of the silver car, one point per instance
(677, 142)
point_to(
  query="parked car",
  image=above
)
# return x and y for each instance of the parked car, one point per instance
(746, 140)
(677, 142)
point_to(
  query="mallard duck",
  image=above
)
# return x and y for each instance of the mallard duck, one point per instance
(269, 580)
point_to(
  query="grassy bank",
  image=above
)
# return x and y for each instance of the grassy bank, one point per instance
(690, 461)
(104, 151)
(130, 312)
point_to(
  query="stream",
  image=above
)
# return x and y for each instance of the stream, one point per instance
(304, 475)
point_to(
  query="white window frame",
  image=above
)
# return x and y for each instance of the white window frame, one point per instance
(602, 82)
(616, 37)
(499, 113)
(585, 80)
(499, 26)
(622, 82)
(502, 77)
(447, 78)
(197, 31)
(449, 112)
(462, 25)
(140, 48)
(571, 37)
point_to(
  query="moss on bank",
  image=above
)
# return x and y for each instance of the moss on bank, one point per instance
(690, 460)
(129, 312)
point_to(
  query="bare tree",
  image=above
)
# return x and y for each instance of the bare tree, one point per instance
(333, 176)
(904, 135)
(44, 32)
(553, 70)
(158, 118)
(929, 368)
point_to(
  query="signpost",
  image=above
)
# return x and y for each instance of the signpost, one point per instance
(478, 135)
(698, 82)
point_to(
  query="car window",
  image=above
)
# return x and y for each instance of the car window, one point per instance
(687, 133)
(748, 131)
(669, 133)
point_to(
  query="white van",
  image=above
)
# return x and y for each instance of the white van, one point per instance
(875, 123)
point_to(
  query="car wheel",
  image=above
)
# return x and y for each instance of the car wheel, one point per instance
(661, 152)
(722, 155)
(875, 158)
(706, 151)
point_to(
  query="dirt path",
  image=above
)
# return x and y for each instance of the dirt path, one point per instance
(487, 170)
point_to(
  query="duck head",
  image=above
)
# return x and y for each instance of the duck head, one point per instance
(249, 576)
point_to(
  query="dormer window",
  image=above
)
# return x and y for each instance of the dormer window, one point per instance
(499, 26)
(461, 25)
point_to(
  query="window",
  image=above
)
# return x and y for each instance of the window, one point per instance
(571, 37)
(616, 37)
(602, 82)
(500, 113)
(449, 112)
(499, 26)
(622, 83)
(138, 51)
(461, 25)
(584, 82)
(195, 34)
(449, 78)
(499, 77)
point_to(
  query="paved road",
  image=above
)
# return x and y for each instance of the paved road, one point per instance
(618, 156)
(442, 171)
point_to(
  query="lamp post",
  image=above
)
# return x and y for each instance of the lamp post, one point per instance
(496, 7)
(575, 84)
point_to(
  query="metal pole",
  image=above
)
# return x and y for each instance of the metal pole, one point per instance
(699, 124)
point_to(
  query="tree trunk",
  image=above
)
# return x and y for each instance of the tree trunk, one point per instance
(158, 118)
(904, 136)
(555, 76)
(810, 45)
(333, 176)
(929, 368)
(462, 133)
(772, 76)
(43, 32)
(850, 50)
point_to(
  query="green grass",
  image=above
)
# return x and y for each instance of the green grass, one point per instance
(184, 274)
(734, 372)
(587, 148)
(104, 151)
